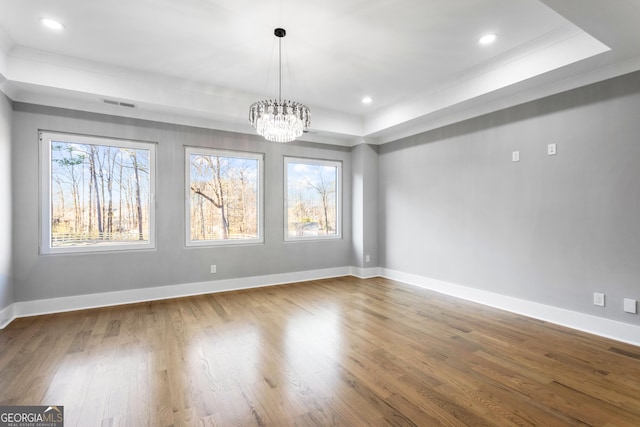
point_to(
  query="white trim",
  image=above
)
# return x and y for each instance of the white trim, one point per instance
(106, 299)
(607, 328)
(205, 151)
(364, 273)
(612, 329)
(7, 315)
(313, 162)
(46, 140)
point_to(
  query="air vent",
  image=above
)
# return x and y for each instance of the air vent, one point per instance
(121, 104)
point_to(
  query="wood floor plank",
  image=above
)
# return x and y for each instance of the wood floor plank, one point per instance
(341, 351)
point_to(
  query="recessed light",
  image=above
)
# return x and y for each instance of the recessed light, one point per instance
(367, 100)
(487, 39)
(53, 24)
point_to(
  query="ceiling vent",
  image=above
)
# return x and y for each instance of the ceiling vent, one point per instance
(118, 103)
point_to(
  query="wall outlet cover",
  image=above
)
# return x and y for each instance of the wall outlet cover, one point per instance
(630, 306)
(598, 299)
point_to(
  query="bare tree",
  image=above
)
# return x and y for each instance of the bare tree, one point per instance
(93, 166)
(325, 188)
(99, 180)
(136, 170)
(121, 167)
(111, 162)
(217, 187)
(68, 164)
(202, 220)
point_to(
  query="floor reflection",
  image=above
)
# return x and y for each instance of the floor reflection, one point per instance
(314, 344)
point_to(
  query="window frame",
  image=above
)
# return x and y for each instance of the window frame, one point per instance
(189, 150)
(46, 139)
(338, 164)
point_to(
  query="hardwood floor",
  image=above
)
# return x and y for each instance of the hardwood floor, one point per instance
(333, 352)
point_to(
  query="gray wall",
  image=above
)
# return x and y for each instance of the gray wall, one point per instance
(448, 204)
(365, 205)
(549, 229)
(6, 286)
(49, 276)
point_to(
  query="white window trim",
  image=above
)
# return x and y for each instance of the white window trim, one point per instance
(187, 196)
(316, 162)
(45, 192)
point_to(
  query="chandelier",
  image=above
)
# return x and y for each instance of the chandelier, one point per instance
(279, 121)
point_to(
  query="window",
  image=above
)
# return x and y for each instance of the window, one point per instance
(312, 202)
(224, 197)
(97, 194)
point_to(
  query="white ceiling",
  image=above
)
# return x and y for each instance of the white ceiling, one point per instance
(203, 62)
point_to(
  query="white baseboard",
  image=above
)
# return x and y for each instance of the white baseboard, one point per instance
(619, 331)
(364, 273)
(105, 299)
(615, 330)
(6, 316)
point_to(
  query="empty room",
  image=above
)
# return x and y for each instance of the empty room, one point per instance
(279, 213)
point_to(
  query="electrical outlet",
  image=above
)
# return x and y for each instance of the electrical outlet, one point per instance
(367, 258)
(213, 269)
(551, 150)
(598, 299)
(515, 156)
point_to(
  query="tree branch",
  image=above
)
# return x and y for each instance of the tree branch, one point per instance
(199, 191)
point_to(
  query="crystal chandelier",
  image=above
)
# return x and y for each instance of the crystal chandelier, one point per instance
(279, 121)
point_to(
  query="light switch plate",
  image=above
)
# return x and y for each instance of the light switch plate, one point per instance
(630, 306)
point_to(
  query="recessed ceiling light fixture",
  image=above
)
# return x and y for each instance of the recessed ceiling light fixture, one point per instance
(367, 100)
(52, 24)
(279, 121)
(487, 39)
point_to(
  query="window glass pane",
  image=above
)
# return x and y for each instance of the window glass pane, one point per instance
(313, 189)
(98, 194)
(224, 197)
